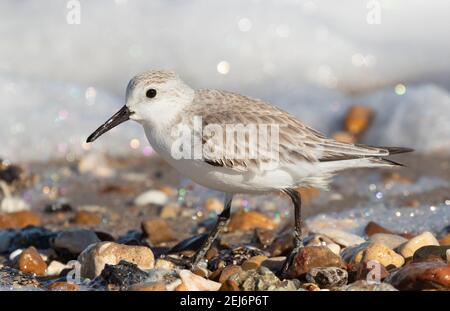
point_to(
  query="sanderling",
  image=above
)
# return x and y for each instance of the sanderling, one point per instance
(283, 155)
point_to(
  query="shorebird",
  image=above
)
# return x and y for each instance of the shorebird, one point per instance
(301, 157)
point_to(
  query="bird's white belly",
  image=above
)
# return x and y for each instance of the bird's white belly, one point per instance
(220, 178)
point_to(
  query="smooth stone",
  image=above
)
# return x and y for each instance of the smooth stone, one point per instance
(341, 237)
(369, 271)
(158, 231)
(374, 228)
(229, 286)
(409, 248)
(431, 252)
(390, 240)
(244, 221)
(155, 197)
(274, 263)
(262, 279)
(63, 287)
(363, 285)
(282, 245)
(421, 275)
(38, 237)
(123, 275)
(87, 218)
(164, 264)
(171, 210)
(75, 241)
(31, 261)
(20, 219)
(55, 268)
(327, 277)
(321, 240)
(14, 255)
(253, 262)
(6, 237)
(13, 204)
(94, 258)
(194, 282)
(310, 257)
(379, 253)
(228, 271)
(148, 287)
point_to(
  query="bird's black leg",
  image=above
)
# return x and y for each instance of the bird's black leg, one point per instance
(298, 239)
(222, 221)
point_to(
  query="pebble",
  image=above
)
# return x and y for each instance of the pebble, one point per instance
(148, 287)
(390, 240)
(253, 262)
(55, 268)
(341, 237)
(445, 240)
(194, 282)
(13, 204)
(170, 210)
(374, 228)
(274, 263)
(31, 261)
(158, 231)
(155, 197)
(358, 119)
(87, 218)
(19, 220)
(264, 237)
(124, 274)
(63, 286)
(369, 271)
(229, 286)
(431, 253)
(374, 251)
(169, 277)
(229, 271)
(164, 264)
(321, 240)
(282, 244)
(363, 285)
(310, 257)
(6, 237)
(75, 241)
(409, 248)
(213, 204)
(243, 220)
(38, 237)
(95, 257)
(421, 275)
(262, 279)
(327, 277)
(96, 164)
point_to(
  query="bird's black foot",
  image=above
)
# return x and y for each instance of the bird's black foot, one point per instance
(283, 273)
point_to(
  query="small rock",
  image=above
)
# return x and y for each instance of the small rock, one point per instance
(321, 240)
(242, 220)
(262, 279)
(229, 271)
(87, 218)
(409, 248)
(13, 204)
(229, 286)
(431, 253)
(6, 237)
(370, 271)
(123, 274)
(201, 271)
(274, 264)
(390, 240)
(63, 286)
(234, 256)
(158, 231)
(327, 277)
(19, 220)
(96, 164)
(38, 237)
(55, 268)
(363, 285)
(155, 197)
(253, 262)
(264, 237)
(282, 245)
(164, 264)
(421, 275)
(341, 237)
(95, 257)
(445, 240)
(374, 228)
(310, 257)
(358, 119)
(148, 287)
(194, 282)
(31, 261)
(168, 277)
(310, 287)
(377, 252)
(75, 241)
(213, 204)
(170, 210)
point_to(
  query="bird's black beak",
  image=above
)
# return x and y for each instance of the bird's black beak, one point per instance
(119, 117)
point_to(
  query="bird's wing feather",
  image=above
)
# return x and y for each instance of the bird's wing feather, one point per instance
(296, 141)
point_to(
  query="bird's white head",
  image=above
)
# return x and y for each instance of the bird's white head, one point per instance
(153, 98)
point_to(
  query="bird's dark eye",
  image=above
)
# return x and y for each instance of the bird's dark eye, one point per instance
(151, 93)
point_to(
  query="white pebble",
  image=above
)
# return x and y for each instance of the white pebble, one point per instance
(151, 197)
(13, 204)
